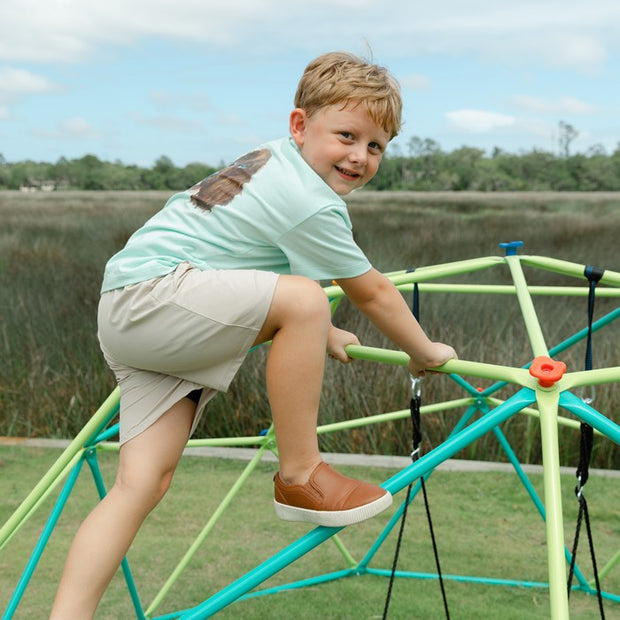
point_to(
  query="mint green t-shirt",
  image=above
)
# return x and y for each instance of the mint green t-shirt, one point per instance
(268, 210)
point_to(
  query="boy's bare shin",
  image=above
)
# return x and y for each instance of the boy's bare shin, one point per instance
(298, 324)
(146, 465)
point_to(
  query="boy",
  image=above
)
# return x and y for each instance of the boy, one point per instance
(229, 264)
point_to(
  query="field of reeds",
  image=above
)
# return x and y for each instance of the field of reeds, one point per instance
(53, 248)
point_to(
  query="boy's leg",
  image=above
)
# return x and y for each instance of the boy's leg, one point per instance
(297, 323)
(146, 466)
(306, 489)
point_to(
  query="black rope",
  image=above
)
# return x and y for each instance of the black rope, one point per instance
(593, 275)
(418, 435)
(416, 440)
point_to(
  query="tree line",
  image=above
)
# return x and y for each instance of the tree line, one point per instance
(90, 173)
(426, 167)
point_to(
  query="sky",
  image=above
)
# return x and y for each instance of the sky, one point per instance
(207, 80)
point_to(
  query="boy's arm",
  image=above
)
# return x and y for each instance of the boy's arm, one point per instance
(374, 295)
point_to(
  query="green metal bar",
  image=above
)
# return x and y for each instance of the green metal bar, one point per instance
(93, 464)
(42, 542)
(101, 417)
(591, 377)
(512, 457)
(532, 325)
(563, 267)
(519, 376)
(471, 410)
(44, 495)
(320, 534)
(268, 441)
(349, 559)
(256, 440)
(421, 274)
(548, 399)
(302, 583)
(394, 415)
(607, 568)
(508, 289)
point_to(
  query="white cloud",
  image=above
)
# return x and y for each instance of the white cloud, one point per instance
(415, 81)
(74, 128)
(192, 101)
(77, 127)
(575, 49)
(168, 123)
(573, 35)
(15, 84)
(20, 81)
(479, 121)
(563, 105)
(4, 114)
(231, 119)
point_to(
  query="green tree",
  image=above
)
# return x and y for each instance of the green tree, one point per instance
(463, 166)
(5, 173)
(567, 133)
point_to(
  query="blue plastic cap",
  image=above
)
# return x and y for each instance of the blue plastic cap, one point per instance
(511, 247)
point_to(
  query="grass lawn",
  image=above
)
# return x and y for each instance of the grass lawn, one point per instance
(485, 525)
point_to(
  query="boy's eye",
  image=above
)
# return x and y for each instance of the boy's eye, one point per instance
(375, 146)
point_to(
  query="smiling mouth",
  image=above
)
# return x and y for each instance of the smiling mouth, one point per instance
(348, 173)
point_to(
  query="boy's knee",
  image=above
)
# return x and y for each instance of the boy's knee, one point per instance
(148, 488)
(298, 301)
(311, 299)
(303, 297)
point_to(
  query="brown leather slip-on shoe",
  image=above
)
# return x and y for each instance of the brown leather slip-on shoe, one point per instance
(329, 499)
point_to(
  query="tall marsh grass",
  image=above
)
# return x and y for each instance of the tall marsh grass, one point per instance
(53, 248)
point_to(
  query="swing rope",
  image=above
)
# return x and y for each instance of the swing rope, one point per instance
(416, 440)
(593, 275)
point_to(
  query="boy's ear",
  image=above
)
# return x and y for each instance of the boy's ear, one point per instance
(297, 125)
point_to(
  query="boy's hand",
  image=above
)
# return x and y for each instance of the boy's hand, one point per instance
(436, 356)
(337, 340)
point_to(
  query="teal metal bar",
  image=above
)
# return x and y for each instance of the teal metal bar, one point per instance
(37, 552)
(462, 578)
(395, 484)
(590, 416)
(548, 401)
(471, 410)
(99, 421)
(91, 459)
(578, 336)
(303, 583)
(250, 467)
(487, 581)
(531, 491)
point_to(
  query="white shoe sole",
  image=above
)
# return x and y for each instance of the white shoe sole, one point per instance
(333, 518)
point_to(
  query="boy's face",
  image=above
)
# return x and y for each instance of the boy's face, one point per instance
(343, 146)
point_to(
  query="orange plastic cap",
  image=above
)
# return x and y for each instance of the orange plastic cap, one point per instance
(547, 371)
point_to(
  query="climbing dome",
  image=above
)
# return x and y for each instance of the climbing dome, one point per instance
(544, 388)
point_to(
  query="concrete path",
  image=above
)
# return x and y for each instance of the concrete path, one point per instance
(363, 460)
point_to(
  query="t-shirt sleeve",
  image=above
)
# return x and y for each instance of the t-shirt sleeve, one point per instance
(322, 247)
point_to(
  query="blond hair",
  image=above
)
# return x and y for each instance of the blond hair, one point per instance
(340, 77)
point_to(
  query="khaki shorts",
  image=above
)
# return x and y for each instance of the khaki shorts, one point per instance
(190, 329)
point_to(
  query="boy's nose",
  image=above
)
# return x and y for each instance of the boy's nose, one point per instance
(358, 154)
